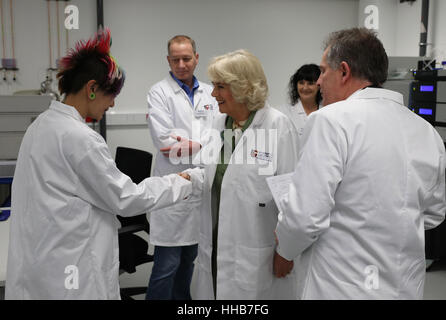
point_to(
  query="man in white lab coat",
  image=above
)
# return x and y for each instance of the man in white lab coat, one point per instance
(369, 180)
(179, 106)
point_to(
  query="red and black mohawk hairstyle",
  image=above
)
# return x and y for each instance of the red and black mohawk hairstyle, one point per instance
(91, 60)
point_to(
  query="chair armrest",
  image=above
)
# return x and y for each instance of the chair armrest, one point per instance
(132, 228)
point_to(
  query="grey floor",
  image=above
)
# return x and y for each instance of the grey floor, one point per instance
(435, 284)
(434, 288)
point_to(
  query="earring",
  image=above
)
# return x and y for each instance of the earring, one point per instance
(92, 96)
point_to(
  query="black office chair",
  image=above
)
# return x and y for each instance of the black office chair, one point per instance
(435, 243)
(132, 248)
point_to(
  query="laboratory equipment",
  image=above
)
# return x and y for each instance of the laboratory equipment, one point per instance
(428, 98)
(16, 114)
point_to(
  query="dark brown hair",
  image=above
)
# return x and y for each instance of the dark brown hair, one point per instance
(361, 49)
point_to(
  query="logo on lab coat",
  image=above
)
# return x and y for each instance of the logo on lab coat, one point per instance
(203, 110)
(266, 156)
(212, 140)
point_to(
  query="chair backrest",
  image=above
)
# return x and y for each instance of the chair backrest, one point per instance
(137, 165)
(134, 163)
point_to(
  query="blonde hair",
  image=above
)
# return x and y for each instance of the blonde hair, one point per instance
(245, 76)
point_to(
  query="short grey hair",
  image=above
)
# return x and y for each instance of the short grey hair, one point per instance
(180, 39)
(361, 49)
(244, 74)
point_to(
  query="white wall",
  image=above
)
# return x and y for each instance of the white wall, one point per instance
(283, 33)
(408, 30)
(31, 39)
(437, 28)
(407, 33)
(400, 25)
(385, 20)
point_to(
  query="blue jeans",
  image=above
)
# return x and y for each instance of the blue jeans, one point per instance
(172, 273)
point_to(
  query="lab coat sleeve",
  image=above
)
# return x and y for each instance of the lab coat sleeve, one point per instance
(436, 202)
(197, 179)
(306, 210)
(103, 185)
(160, 119)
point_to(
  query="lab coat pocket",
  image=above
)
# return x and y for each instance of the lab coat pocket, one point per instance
(106, 279)
(254, 267)
(113, 282)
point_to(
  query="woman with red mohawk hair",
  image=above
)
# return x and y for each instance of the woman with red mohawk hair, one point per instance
(67, 190)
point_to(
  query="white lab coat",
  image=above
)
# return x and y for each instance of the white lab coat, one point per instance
(171, 112)
(370, 179)
(296, 113)
(248, 214)
(66, 194)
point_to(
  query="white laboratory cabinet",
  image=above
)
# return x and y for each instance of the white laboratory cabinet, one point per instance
(16, 114)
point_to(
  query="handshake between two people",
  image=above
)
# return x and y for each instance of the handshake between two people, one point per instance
(183, 148)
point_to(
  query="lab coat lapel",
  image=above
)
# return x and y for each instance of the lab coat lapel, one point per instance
(178, 90)
(173, 84)
(256, 123)
(219, 125)
(197, 96)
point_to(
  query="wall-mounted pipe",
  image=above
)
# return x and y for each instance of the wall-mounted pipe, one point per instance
(424, 22)
(100, 23)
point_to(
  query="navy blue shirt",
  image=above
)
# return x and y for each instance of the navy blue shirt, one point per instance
(185, 87)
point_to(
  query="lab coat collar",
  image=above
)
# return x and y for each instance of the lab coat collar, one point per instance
(374, 93)
(184, 86)
(220, 119)
(67, 109)
(260, 116)
(219, 123)
(299, 107)
(176, 87)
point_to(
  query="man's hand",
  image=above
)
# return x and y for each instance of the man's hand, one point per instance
(184, 147)
(281, 266)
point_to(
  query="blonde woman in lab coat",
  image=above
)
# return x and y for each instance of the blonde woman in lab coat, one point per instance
(252, 141)
(67, 190)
